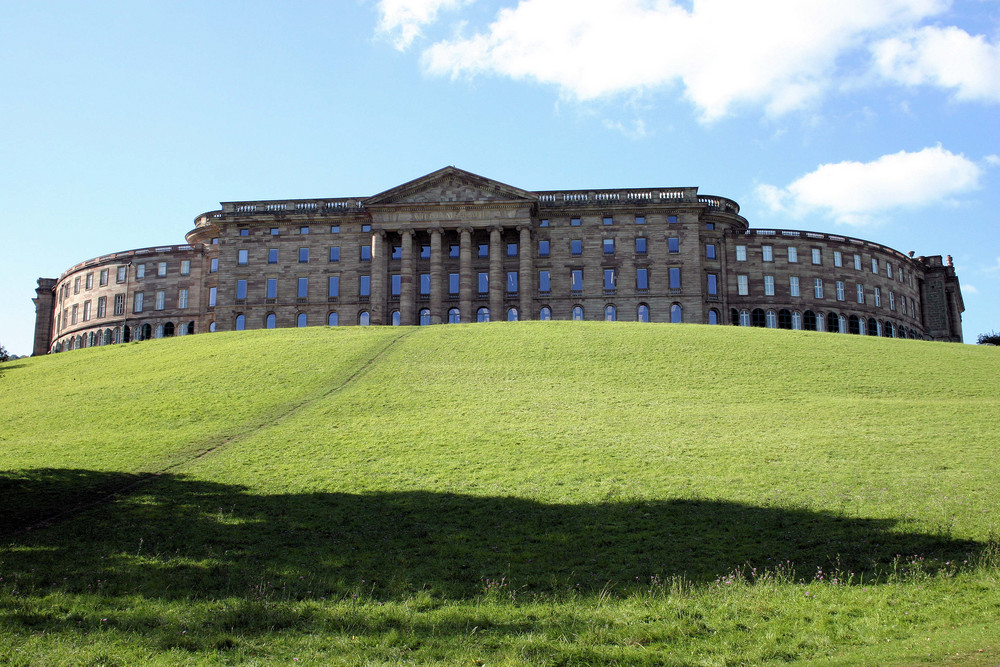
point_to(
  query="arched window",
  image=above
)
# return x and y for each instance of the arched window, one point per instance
(395, 318)
(211, 325)
(873, 327)
(454, 316)
(784, 319)
(842, 323)
(758, 318)
(116, 335)
(127, 333)
(890, 329)
(744, 318)
(832, 322)
(643, 313)
(241, 322)
(168, 329)
(483, 315)
(610, 313)
(108, 336)
(190, 327)
(182, 329)
(809, 322)
(158, 332)
(771, 319)
(545, 314)
(578, 313)
(147, 332)
(364, 319)
(425, 317)
(675, 313)
(512, 314)
(270, 321)
(854, 325)
(797, 320)
(332, 319)
(713, 316)
(300, 320)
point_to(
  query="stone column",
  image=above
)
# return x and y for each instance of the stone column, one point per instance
(406, 291)
(465, 278)
(525, 274)
(437, 276)
(376, 305)
(497, 279)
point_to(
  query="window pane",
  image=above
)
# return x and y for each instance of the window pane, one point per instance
(484, 283)
(543, 248)
(543, 281)
(673, 244)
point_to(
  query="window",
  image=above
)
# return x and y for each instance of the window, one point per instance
(335, 253)
(857, 262)
(741, 253)
(710, 226)
(213, 293)
(394, 318)
(877, 293)
(76, 311)
(642, 313)
(215, 241)
(545, 314)
(272, 256)
(102, 306)
(333, 286)
(364, 285)
(397, 252)
(512, 250)
(793, 255)
(303, 288)
(512, 314)
(576, 280)
(271, 289)
(840, 290)
(642, 279)
(454, 316)
(241, 289)
(640, 245)
(578, 313)
(713, 316)
(303, 230)
(817, 256)
(483, 283)
(244, 232)
(768, 253)
(364, 319)
(300, 320)
(543, 248)
(676, 313)
(838, 258)
(366, 228)
(161, 270)
(90, 281)
(512, 282)
(609, 280)
(243, 257)
(713, 284)
(672, 219)
(543, 282)
(770, 320)
(483, 315)
(709, 251)
(334, 229)
(182, 298)
(797, 320)
(610, 313)
(576, 247)
(874, 265)
(86, 311)
(640, 219)
(122, 271)
(673, 244)
(742, 285)
(453, 282)
(241, 322)
(104, 273)
(270, 321)
(395, 284)
(544, 222)
(793, 285)
(609, 246)
(608, 220)
(892, 301)
(140, 273)
(425, 284)
(274, 231)
(366, 253)
(888, 270)
(861, 293)
(425, 252)
(818, 288)
(454, 250)
(136, 305)
(333, 319)
(675, 278)
(484, 250)
(214, 265)
(425, 317)
(574, 222)
(769, 285)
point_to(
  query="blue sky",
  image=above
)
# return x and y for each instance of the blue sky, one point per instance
(873, 118)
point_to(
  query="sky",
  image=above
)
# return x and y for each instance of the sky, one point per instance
(122, 121)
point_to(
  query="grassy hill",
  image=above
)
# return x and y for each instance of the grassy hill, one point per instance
(550, 493)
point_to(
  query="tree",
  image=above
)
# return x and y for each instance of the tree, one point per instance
(991, 338)
(3, 354)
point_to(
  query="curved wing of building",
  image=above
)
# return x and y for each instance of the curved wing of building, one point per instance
(453, 246)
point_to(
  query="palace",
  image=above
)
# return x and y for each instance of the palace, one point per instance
(452, 246)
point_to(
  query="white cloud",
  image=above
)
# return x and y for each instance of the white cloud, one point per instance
(947, 57)
(635, 130)
(782, 54)
(969, 289)
(854, 192)
(403, 20)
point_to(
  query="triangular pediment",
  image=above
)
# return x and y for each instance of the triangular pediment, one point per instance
(449, 186)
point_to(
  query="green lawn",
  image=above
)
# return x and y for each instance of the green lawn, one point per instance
(544, 493)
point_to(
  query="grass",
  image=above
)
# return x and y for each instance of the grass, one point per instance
(543, 493)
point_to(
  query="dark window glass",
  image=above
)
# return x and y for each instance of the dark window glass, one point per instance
(710, 225)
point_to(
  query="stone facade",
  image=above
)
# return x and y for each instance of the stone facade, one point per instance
(456, 247)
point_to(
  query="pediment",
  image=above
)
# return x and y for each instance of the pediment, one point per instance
(449, 186)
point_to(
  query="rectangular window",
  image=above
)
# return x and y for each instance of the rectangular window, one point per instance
(484, 250)
(857, 262)
(608, 220)
(544, 284)
(303, 255)
(397, 252)
(512, 250)
(119, 304)
(793, 285)
(241, 289)
(303, 230)
(576, 280)
(271, 290)
(767, 252)
(335, 253)
(366, 253)
(86, 311)
(104, 275)
(364, 285)
(136, 304)
(366, 228)
(642, 279)
(213, 293)
(120, 276)
(609, 246)
(574, 222)
(512, 282)
(840, 290)
(395, 284)
(709, 251)
(425, 252)
(877, 293)
(544, 222)
(838, 258)
(243, 257)
(892, 301)
(76, 311)
(484, 283)
(161, 269)
(543, 248)
(214, 265)
(102, 306)
(874, 265)
(675, 278)
(182, 298)
(640, 219)
(818, 288)
(672, 219)
(576, 247)
(90, 281)
(454, 250)
(713, 284)
(902, 303)
(888, 270)
(185, 267)
(140, 273)
(333, 286)
(453, 283)
(710, 226)
(609, 279)
(334, 229)
(272, 256)
(673, 244)
(741, 253)
(303, 289)
(817, 256)
(425, 283)
(769, 285)
(793, 255)
(742, 285)
(161, 299)
(860, 293)
(244, 232)
(640, 245)
(274, 231)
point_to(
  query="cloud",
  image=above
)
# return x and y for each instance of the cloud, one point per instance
(946, 57)
(969, 289)
(635, 130)
(403, 20)
(782, 54)
(854, 192)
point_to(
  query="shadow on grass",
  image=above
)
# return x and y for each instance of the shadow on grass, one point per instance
(175, 538)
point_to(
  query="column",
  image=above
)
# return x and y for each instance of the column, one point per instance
(437, 276)
(376, 304)
(406, 295)
(525, 274)
(497, 279)
(465, 279)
